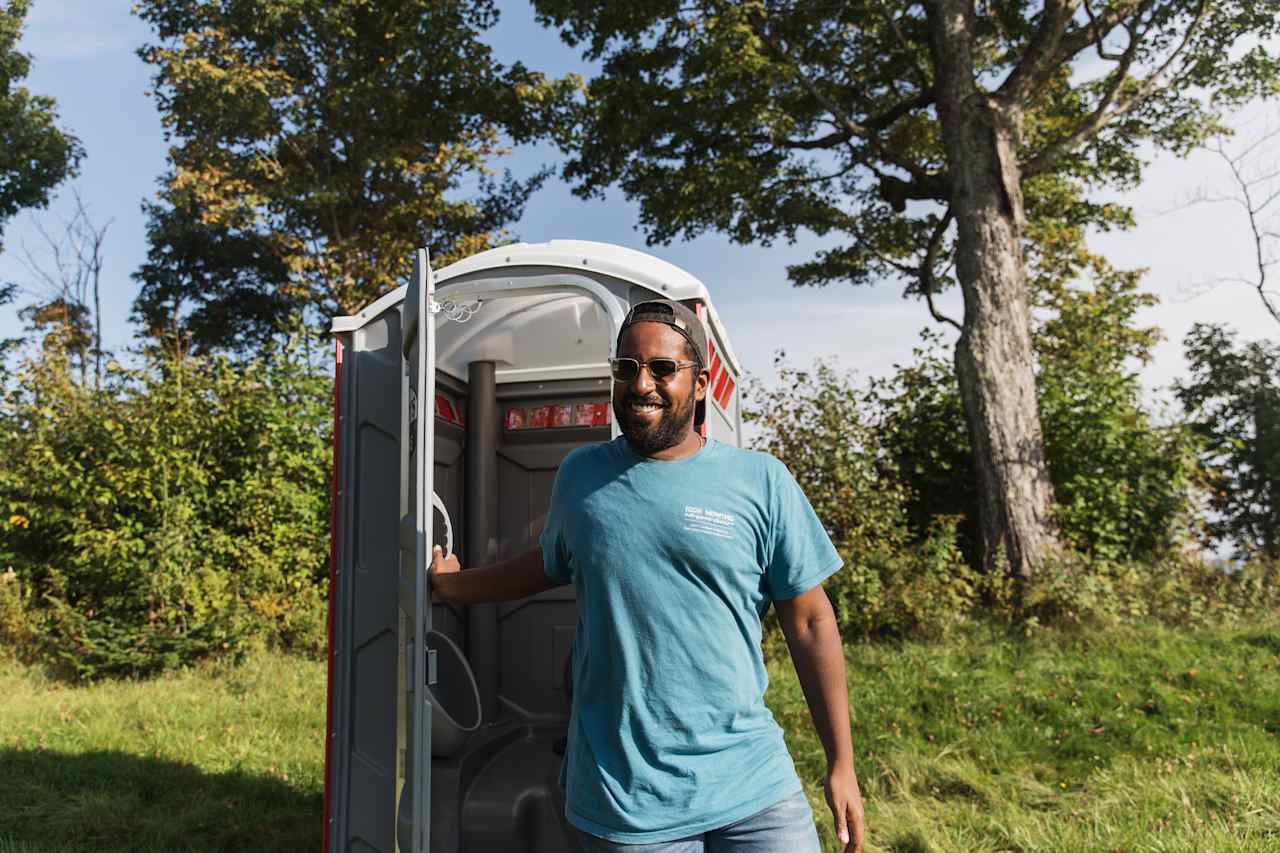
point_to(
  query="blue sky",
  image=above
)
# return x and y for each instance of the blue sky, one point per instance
(83, 55)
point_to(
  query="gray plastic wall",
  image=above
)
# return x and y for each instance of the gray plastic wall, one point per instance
(361, 782)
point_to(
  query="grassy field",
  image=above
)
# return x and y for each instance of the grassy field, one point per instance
(216, 759)
(1137, 740)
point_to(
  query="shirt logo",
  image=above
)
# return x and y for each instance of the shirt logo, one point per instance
(708, 521)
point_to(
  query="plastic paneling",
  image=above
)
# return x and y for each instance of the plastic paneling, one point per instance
(414, 818)
(532, 633)
(362, 773)
(721, 425)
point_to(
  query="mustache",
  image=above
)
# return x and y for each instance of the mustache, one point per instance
(655, 401)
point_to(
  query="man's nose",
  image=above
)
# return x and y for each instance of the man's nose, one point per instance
(643, 385)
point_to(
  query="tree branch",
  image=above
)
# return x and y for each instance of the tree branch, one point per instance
(1074, 41)
(1113, 104)
(1038, 60)
(810, 179)
(1255, 226)
(831, 140)
(1102, 51)
(898, 192)
(869, 133)
(922, 74)
(886, 119)
(927, 280)
(1256, 191)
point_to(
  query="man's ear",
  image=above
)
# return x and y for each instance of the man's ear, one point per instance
(704, 380)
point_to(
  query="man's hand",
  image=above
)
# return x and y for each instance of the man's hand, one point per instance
(441, 565)
(845, 799)
(518, 577)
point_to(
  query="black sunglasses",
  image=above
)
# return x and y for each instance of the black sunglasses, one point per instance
(661, 369)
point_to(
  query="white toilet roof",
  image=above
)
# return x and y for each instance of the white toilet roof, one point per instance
(617, 261)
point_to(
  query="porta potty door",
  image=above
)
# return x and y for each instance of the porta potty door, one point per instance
(368, 503)
(413, 820)
(377, 794)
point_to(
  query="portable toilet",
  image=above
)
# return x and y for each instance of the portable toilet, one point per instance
(446, 724)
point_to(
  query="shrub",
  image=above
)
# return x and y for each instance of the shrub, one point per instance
(1182, 590)
(888, 471)
(893, 583)
(172, 514)
(1126, 486)
(920, 589)
(16, 635)
(1232, 399)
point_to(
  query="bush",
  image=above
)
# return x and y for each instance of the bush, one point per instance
(1232, 399)
(888, 472)
(1126, 486)
(1183, 590)
(894, 583)
(16, 636)
(920, 589)
(172, 514)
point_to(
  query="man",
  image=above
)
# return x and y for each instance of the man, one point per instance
(676, 546)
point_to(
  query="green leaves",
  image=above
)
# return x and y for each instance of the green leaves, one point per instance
(316, 143)
(764, 119)
(35, 154)
(897, 580)
(1126, 484)
(1232, 399)
(173, 514)
(891, 466)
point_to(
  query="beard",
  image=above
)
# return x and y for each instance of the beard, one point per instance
(647, 438)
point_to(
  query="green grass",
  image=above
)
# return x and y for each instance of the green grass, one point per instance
(211, 759)
(1134, 740)
(1131, 740)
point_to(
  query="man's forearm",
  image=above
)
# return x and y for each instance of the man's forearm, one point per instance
(818, 654)
(813, 637)
(519, 577)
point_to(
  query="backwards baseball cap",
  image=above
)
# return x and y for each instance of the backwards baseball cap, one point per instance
(677, 317)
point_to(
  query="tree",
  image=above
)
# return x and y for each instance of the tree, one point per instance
(931, 135)
(1233, 400)
(316, 142)
(35, 155)
(8, 293)
(1125, 485)
(208, 284)
(67, 275)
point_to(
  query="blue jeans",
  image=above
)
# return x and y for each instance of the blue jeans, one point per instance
(785, 827)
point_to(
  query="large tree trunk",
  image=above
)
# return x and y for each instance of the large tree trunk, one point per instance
(993, 356)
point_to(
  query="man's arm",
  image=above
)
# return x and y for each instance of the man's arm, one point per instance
(818, 654)
(519, 577)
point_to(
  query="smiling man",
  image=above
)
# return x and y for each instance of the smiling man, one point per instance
(676, 547)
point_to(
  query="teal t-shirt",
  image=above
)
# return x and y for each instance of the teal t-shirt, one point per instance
(674, 565)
